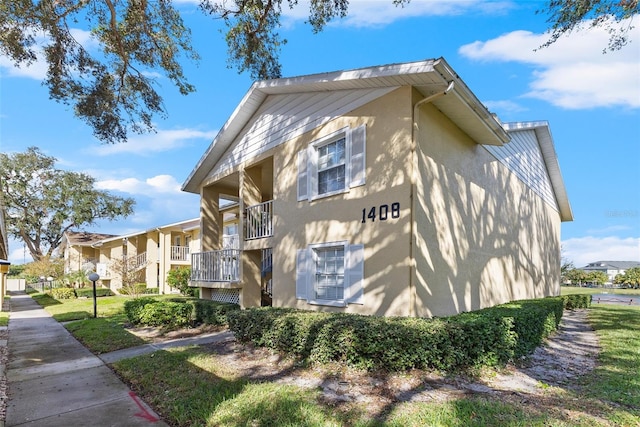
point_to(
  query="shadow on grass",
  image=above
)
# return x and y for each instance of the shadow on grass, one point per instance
(45, 300)
(201, 391)
(104, 334)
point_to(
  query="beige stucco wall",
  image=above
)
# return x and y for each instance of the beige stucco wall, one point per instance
(482, 236)
(339, 217)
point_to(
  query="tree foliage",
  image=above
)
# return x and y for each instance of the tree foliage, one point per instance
(578, 277)
(46, 266)
(566, 16)
(43, 202)
(630, 278)
(178, 278)
(111, 87)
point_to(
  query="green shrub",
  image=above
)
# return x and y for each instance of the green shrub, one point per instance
(166, 313)
(488, 337)
(88, 292)
(151, 291)
(133, 308)
(135, 289)
(63, 293)
(211, 312)
(572, 302)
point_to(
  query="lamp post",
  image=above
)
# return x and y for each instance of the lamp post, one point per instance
(42, 283)
(50, 280)
(94, 277)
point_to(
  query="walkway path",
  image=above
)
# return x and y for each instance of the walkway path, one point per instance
(53, 380)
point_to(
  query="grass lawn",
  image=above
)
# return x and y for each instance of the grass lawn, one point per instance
(198, 390)
(568, 290)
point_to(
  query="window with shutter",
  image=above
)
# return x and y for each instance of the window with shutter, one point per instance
(330, 274)
(333, 164)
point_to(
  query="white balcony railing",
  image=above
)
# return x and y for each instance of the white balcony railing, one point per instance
(258, 221)
(179, 253)
(216, 266)
(139, 261)
(230, 241)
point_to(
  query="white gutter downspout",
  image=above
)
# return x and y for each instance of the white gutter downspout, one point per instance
(414, 180)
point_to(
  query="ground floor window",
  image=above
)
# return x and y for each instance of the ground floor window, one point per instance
(330, 274)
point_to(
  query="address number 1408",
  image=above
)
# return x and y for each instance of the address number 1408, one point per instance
(381, 212)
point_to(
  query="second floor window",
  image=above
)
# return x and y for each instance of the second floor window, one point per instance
(331, 167)
(333, 164)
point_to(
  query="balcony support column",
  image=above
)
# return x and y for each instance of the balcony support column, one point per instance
(251, 279)
(210, 222)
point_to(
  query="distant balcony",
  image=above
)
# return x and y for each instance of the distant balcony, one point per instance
(179, 253)
(258, 221)
(216, 266)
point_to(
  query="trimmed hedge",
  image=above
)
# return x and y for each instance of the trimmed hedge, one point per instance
(88, 292)
(176, 312)
(63, 293)
(488, 337)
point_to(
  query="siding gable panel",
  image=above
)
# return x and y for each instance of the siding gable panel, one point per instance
(283, 117)
(522, 156)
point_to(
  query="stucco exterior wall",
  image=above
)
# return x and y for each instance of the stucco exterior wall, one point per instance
(339, 217)
(482, 237)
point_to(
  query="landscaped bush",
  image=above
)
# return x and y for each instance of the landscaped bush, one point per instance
(572, 302)
(151, 291)
(166, 313)
(63, 293)
(88, 292)
(211, 312)
(133, 308)
(487, 337)
(178, 311)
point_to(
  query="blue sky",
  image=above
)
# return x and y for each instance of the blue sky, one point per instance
(590, 99)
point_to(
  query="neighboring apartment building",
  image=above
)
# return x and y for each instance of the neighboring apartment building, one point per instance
(148, 254)
(78, 250)
(388, 190)
(611, 268)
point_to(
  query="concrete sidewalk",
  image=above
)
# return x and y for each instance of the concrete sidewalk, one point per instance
(53, 380)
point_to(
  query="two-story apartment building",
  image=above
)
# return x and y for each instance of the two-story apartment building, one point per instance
(611, 268)
(148, 254)
(387, 190)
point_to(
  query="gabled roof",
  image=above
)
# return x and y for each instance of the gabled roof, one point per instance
(343, 91)
(611, 265)
(82, 238)
(186, 225)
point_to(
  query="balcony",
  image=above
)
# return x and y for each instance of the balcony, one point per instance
(230, 241)
(258, 221)
(216, 266)
(179, 253)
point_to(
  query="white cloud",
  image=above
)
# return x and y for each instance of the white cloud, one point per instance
(376, 13)
(583, 250)
(505, 105)
(151, 143)
(160, 184)
(572, 73)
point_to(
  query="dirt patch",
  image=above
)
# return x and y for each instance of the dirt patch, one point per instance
(155, 334)
(568, 354)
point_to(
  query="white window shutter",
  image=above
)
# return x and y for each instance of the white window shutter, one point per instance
(303, 179)
(358, 156)
(355, 269)
(302, 273)
(312, 172)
